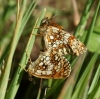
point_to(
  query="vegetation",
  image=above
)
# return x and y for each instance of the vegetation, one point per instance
(18, 22)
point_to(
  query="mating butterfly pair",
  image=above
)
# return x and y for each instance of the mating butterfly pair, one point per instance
(51, 63)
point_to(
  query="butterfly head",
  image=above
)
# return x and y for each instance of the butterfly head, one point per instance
(45, 22)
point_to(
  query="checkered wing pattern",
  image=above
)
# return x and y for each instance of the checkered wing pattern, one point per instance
(59, 40)
(50, 65)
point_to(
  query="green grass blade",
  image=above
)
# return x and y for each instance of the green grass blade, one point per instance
(9, 35)
(56, 84)
(19, 73)
(15, 39)
(90, 31)
(86, 75)
(83, 82)
(95, 80)
(28, 14)
(94, 40)
(95, 94)
(80, 29)
(4, 42)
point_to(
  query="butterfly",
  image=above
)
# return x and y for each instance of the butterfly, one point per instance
(50, 65)
(59, 40)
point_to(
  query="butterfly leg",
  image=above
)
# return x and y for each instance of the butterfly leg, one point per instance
(26, 63)
(39, 34)
(29, 59)
(26, 70)
(36, 27)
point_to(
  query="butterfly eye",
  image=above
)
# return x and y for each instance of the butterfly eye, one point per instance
(45, 21)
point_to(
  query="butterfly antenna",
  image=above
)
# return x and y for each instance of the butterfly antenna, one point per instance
(57, 14)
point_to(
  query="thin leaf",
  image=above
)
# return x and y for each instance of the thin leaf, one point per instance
(95, 80)
(80, 29)
(83, 82)
(19, 72)
(15, 39)
(96, 92)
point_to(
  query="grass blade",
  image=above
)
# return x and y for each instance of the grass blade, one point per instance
(84, 78)
(95, 80)
(80, 29)
(11, 53)
(19, 72)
